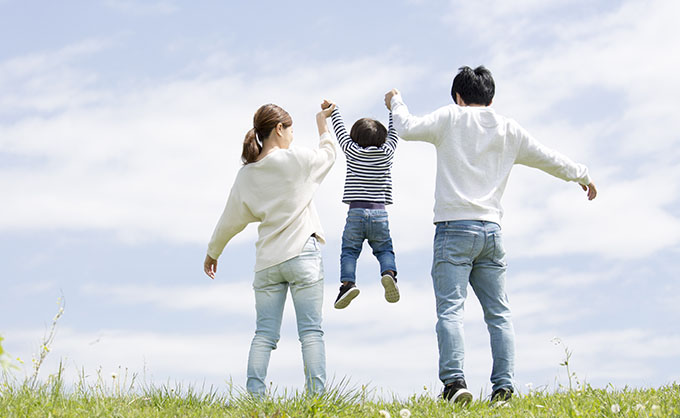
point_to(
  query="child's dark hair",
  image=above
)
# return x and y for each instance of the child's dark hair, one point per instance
(368, 133)
(474, 86)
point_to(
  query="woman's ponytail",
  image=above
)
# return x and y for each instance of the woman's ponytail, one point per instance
(265, 120)
(251, 147)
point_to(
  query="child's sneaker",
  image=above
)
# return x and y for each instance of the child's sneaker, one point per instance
(348, 292)
(391, 289)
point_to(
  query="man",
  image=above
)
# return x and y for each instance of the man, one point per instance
(476, 150)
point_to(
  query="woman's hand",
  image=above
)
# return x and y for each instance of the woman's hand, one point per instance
(326, 109)
(210, 266)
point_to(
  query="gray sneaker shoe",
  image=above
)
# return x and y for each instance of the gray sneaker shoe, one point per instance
(391, 289)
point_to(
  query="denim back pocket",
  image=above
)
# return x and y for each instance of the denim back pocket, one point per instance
(455, 246)
(498, 249)
(355, 227)
(380, 228)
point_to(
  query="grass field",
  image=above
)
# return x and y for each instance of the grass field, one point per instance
(122, 395)
(117, 397)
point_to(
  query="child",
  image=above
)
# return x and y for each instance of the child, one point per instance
(369, 149)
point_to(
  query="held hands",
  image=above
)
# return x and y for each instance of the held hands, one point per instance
(327, 107)
(592, 191)
(210, 266)
(388, 98)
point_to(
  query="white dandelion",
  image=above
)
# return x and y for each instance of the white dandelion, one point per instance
(616, 408)
(405, 413)
(384, 414)
(114, 375)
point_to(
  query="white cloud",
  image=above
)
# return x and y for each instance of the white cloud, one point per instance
(157, 162)
(47, 81)
(591, 80)
(210, 297)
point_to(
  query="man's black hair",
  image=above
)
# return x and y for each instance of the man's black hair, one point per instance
(474, 86)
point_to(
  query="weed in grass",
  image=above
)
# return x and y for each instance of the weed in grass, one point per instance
(46, 343)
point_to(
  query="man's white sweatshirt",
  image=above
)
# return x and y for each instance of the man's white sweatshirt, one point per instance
(476, 149)
(278, 192)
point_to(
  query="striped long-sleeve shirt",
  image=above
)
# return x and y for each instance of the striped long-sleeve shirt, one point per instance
(369, 170)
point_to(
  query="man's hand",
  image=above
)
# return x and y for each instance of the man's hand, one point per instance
(592, 191)
(388, 98)
(210, 266)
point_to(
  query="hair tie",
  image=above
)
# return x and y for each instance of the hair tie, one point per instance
(257, 136)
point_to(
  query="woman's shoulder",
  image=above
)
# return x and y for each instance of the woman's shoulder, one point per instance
(300, 153)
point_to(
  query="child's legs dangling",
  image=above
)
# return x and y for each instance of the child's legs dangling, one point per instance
(380, 241)
(352, 242)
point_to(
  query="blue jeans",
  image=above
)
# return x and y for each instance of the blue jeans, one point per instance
(304, 276)
(371, 225)
(472, 252)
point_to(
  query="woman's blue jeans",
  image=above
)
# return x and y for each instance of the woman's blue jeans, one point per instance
(472, 252)
(303, 275)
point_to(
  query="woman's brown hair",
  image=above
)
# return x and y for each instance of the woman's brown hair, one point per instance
(265, 120)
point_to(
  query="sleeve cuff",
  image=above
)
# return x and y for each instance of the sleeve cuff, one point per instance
(396, 101)
(213, 254)
(587, 180)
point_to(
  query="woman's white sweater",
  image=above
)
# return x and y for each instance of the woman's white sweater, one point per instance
(278, 192)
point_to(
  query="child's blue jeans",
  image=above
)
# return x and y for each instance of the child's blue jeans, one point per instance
(371, 225)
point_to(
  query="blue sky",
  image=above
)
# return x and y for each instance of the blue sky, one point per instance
(120, 128)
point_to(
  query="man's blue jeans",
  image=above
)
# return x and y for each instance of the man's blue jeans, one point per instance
(371, 225)
(472, 252)
(304, 276)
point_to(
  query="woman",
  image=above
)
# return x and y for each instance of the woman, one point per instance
(275, 187)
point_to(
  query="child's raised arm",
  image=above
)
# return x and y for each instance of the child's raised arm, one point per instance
(392, 138)
(340, 132)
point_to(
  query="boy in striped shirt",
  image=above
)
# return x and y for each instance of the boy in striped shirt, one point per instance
(369, 150)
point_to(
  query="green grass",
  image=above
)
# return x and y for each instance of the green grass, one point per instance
(123, 397)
